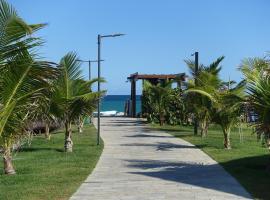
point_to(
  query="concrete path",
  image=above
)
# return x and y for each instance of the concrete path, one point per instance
(140, 164)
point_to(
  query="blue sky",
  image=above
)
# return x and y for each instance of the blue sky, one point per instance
(160, 33)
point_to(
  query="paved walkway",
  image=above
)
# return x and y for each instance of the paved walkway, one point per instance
(140, 164)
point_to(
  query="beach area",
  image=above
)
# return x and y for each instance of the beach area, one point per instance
(117, 103)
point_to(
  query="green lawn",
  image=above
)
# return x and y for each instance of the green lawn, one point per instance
(247, 161)
(44, 171)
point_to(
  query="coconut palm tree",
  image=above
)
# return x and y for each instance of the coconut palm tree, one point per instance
(257, 77)
(226, 107)
(72, 97)
(43, 115)
(207, 80)
(175, 107)
(23, 78)
(158, 98)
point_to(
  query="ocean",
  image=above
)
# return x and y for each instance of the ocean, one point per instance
(117, 102)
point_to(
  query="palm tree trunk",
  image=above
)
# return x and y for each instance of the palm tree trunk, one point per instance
(201, 123)
(227, 142)
(80, 126)
(7, 159)
(47, 131)
(161, 119)
(68, 141)
(203, 127)
(268, 141)
(206, 128)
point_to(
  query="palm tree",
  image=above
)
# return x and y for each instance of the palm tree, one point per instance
(207, 80)
(226, 107)
(175, 107)
(257, 77)
(43, 115)
(158, 98)
(22, 78)
(72, 97)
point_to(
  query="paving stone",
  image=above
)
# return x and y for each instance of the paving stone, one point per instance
(140, 164)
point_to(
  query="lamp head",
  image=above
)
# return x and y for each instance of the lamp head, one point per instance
(118, 34)
(113, 35)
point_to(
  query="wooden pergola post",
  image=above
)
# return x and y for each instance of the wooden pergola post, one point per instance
(133, 97)
(153, 79)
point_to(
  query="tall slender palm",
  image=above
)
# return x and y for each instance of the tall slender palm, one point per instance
(22, 78)
(72, 96)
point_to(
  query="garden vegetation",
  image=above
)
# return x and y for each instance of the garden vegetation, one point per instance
(35, 91)
(213, 100)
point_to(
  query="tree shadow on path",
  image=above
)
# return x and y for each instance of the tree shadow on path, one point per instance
(149, 136)
(162, 146)
(210, 176)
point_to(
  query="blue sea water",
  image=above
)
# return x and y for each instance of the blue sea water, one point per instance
(117, 102)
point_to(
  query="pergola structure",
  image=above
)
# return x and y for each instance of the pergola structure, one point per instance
(153, 79)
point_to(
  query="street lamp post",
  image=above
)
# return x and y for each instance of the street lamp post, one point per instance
(99, 48)
(89, 65)
(196, 83)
